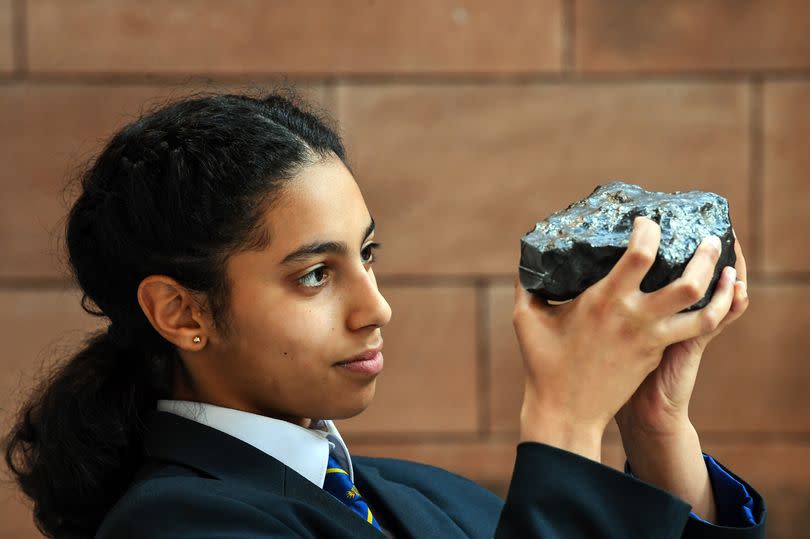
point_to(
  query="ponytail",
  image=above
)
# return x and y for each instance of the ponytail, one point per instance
(174, 193)
(76, 443)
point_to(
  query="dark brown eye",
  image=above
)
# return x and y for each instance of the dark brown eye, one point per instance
(314, 278)
(371, 256)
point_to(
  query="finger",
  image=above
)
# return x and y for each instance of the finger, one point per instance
(739, 305)
(532, 316)
(683, 326)
(642, 249)
(691, 286)
(528, 301)
(742, 271)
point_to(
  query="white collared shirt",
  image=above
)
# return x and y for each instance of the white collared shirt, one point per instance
(305, 450)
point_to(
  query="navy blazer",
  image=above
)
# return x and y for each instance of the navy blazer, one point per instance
(197, 482)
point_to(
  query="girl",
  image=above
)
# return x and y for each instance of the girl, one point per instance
(228, 243)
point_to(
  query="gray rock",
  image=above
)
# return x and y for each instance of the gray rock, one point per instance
(573, 248)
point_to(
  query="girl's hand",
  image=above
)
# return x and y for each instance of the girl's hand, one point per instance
(584, 359)
(660, 406)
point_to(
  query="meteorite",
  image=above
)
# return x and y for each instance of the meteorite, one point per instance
(573, 248)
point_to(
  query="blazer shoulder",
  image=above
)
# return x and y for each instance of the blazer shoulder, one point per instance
(181, 506)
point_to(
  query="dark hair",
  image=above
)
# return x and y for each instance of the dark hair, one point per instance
(175, 192)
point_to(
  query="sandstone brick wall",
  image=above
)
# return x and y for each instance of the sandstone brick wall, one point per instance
(466, 121)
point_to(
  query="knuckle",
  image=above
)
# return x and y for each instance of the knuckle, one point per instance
(710, 251)
(739, 307)
(691, 290)
(657, 337)
(709, 320)
(625, 307)
(640, 257)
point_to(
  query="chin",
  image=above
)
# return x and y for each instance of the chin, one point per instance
(357, 404)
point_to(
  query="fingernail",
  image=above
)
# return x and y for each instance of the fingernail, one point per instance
(731, 274)
(744, 289)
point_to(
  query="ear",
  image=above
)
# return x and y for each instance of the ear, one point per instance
(174, 312)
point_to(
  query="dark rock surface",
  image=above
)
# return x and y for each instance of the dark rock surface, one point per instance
(573, 248)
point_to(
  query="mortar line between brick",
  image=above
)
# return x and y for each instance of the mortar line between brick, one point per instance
(567, 60)
(612, 438)
(484, 389)
(420, 281)
(34, 284)
(755, 172)
(706, 435)
(330, 96)
(339, 85)
(19, 38)
(452, 280)
(418, 78)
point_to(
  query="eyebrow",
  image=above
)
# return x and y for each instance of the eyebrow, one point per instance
(320, 247)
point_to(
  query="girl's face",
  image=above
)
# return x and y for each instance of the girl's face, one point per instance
(294, 317)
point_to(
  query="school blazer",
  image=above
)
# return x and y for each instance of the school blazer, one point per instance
(197, 482)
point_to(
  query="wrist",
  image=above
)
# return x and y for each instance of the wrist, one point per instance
(555, 429)
(644, 446)
(583, 444)
(661, 434)
(673, 462)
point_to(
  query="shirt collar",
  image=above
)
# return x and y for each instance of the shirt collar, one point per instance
(305, 450)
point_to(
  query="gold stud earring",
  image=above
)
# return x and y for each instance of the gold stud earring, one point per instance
(196, 339)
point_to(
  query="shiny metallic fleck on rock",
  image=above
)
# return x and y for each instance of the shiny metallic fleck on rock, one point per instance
(573, 248)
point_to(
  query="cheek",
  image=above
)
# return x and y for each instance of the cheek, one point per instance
(303, 332)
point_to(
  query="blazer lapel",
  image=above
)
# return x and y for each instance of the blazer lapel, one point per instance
(173, 438)
(412, 514)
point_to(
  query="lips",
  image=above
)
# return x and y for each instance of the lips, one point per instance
(369, 362)
(365, 356)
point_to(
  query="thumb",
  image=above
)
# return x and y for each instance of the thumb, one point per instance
(529, 302)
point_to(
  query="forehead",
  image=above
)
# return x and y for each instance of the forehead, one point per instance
(323, 202)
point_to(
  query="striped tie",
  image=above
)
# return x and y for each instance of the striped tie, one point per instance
(339, 484)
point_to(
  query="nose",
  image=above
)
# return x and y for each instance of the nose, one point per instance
(368, 307)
